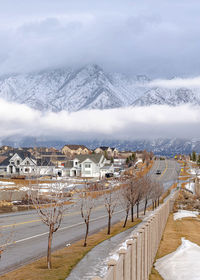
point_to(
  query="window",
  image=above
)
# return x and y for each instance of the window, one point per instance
(26, 170)
(17, 162)
(87, 165)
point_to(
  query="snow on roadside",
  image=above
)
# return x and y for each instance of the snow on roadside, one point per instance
(183, 264)
(190, 187)
(184, 214)
(195, 172)
(6, 183)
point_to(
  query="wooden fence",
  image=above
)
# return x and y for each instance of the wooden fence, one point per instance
(135, 262)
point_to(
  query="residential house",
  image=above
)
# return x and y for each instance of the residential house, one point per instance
(18, 163)
(4, 149)
(72, 150)
(22, 163)
(92, 165)
(107, 151)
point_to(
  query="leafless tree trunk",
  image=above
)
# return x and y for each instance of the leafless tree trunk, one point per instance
(6, 239)
(147, 190)
(156, 193)
(139, 194)
(110, 202)
(131, 195)
(87, 204)
(50, 214)
(125, 201)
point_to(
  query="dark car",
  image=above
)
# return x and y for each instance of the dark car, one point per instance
(158, 172)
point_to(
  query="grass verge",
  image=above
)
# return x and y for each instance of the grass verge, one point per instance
(171, 240)
(65, 259)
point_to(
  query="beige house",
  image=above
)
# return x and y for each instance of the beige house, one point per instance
(75, 150)
(111, 152)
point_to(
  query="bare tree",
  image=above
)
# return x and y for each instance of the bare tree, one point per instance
(139, 194)
(6, 239)
(131, 195)
(87, 204)
(51, 214)
(157, 191)
(147, 190)
(110, 202)
(125, 201)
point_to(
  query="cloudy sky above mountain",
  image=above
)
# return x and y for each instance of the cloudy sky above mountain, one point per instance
(155, 37)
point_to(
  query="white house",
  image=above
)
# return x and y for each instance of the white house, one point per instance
(21, 163)
(88, 166)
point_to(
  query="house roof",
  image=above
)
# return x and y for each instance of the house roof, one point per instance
(22, 153)
(76, 147)
(5, 162)
(44, 162)
(106, 167)
(2, 158)
(93, 157)
(104, 148)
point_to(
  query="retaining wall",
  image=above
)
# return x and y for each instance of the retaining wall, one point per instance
(135, 262)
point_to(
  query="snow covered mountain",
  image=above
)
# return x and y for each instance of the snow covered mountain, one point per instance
(162, 96)
(89, 88)
(65, 89)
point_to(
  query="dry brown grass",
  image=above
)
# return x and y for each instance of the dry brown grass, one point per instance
(174, 231)
(65, 259)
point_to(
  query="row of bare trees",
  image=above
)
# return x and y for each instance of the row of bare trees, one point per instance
(128, 194)
(137, 190)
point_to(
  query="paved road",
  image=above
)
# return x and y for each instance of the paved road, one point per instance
(169, 168)
(30, 234)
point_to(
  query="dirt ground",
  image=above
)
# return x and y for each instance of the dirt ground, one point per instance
(174, 231)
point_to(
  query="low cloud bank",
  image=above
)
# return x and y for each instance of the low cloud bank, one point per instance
(177, 83)
(122, 123)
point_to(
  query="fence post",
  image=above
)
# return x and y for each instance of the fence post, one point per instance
(130, 244)
(123, 252)
(112, 263)
(134, 257)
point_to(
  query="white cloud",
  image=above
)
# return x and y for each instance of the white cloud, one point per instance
(177, 83)
(123, 123)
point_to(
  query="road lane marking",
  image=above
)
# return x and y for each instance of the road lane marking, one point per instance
(63, 228)
(38, 220)
(22, 223)
(166, 167)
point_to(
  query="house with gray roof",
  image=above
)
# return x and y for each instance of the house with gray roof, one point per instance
(22, 163)
(88, 166)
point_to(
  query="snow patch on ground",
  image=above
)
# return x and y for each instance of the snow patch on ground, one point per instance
(6, 183)
(190, 187)
(195, 172)
(183, 264)
(184, 214)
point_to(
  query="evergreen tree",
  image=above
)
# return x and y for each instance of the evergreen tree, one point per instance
(133, 156)
(127, 160)
(198, 160)
(194, 156)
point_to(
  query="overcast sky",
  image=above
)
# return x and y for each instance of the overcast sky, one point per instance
(155, 37)
(159, 38)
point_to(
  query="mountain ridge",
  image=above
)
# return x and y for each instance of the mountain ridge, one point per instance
(89, 87)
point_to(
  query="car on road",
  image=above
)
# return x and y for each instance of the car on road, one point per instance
(158, 172)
